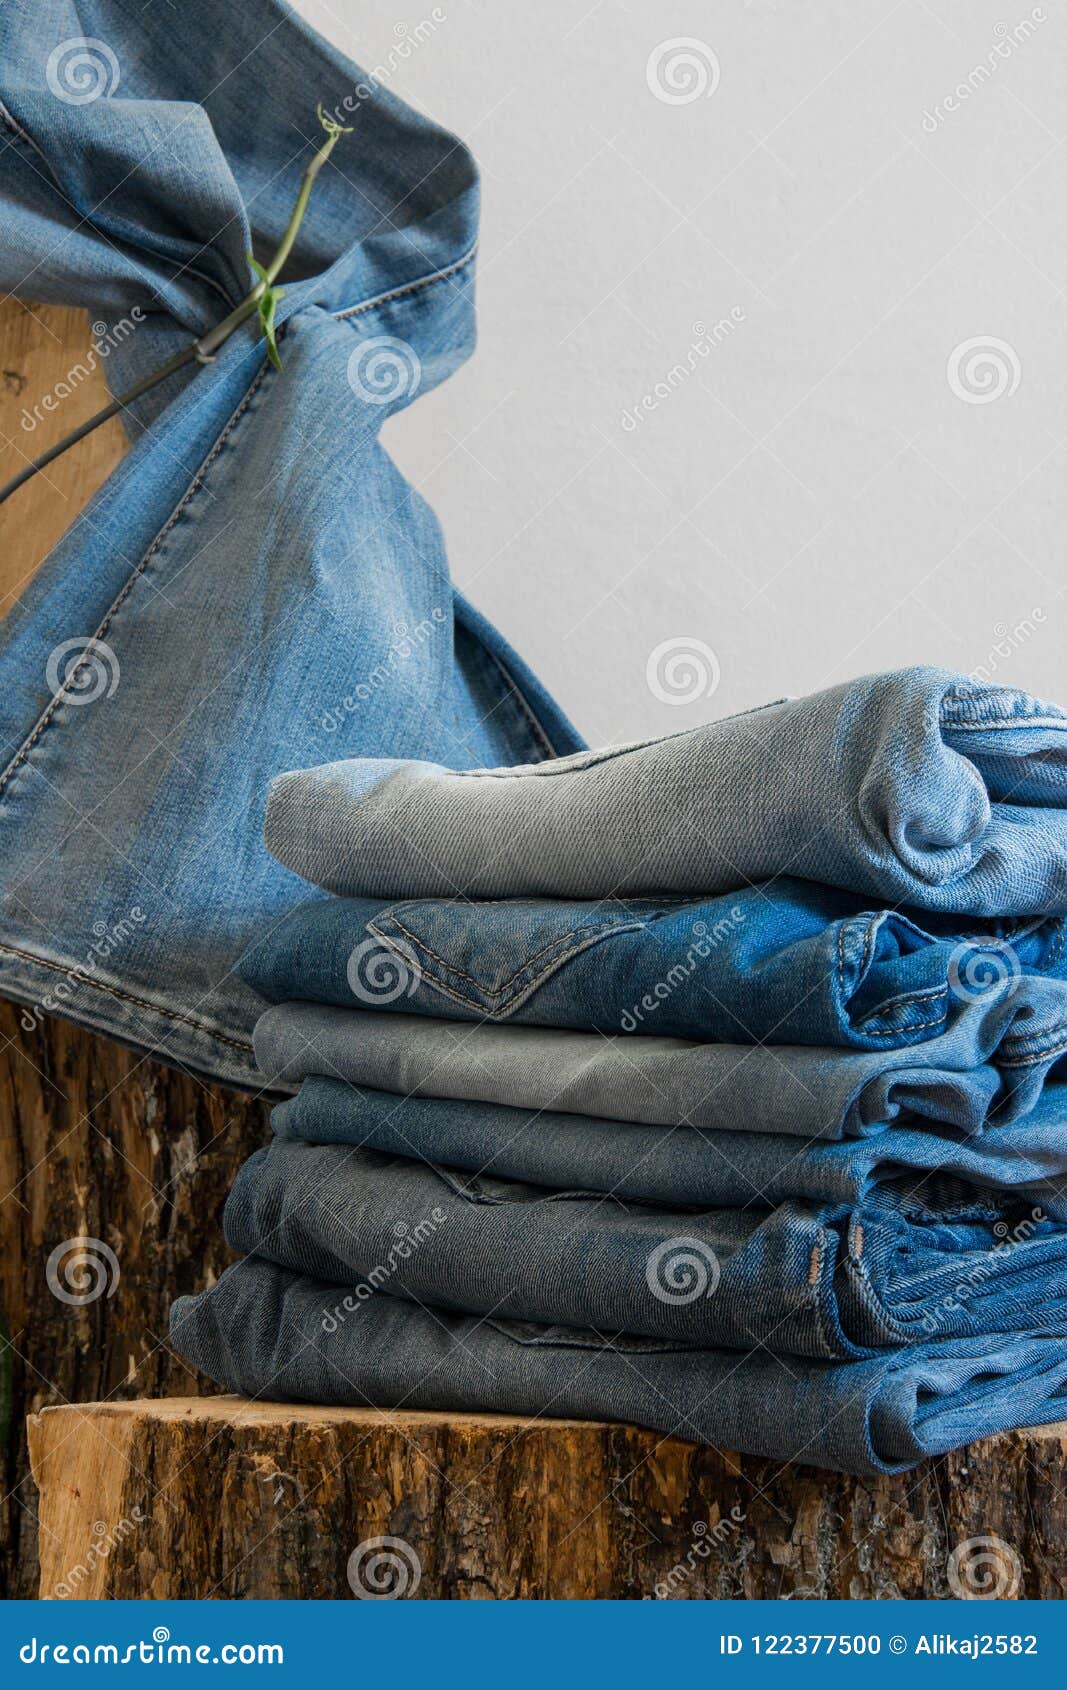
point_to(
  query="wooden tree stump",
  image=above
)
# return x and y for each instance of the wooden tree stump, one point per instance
(218, 1497)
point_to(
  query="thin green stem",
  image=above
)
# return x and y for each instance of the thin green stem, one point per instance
(202, 351)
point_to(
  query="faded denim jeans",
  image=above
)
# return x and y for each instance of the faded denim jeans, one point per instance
(788, 962)
(256, 586)
(267, 1332)
(689, 1165)
(806, 1091)
(920, 787)
(803, 1280)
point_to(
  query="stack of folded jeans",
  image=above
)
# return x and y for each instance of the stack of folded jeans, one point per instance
(715, 1083)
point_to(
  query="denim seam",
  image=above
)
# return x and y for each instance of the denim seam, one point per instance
(572, 945)
(408, 288)
(991, 724)
(857, 1271)
(904, 998)
(896, 1032)
(533, 723)
(573, 765)
(954, 696)
(193, 488)
(129, 997)
(816, 1291)
(1034, 1057)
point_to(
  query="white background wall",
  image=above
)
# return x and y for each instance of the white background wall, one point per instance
(832, 490)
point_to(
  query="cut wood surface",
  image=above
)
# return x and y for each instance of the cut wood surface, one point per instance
(218, 1497)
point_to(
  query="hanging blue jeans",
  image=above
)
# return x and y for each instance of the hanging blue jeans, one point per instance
(256, 587)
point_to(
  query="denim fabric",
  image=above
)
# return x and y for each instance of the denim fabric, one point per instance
(256, 586)
(265, 1331)
(920, 787)
(802, 1090)
(830, 1283)
(791, 963)
(687, 1165)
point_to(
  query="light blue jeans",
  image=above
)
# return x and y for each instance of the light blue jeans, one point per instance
(256, 586)
(806, 1091)
(920, 787)
(683, 1164)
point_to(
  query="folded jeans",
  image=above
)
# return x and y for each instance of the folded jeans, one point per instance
(799, 1280)
(264, 1331)
(920, 787)
(787, 963)
(688, 1165)
(805, 1091)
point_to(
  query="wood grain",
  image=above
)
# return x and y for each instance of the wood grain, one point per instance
(46, 361)
(218, 1497)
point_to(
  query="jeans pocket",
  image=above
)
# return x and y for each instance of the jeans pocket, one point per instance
(492, 957)
(534, 1336)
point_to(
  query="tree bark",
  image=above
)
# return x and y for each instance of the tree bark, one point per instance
(217, 1497)
(98, 1143)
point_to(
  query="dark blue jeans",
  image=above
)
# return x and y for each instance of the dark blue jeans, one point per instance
(804, 1280)
(687, 1165)
(267, 1332)
(788, 962)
